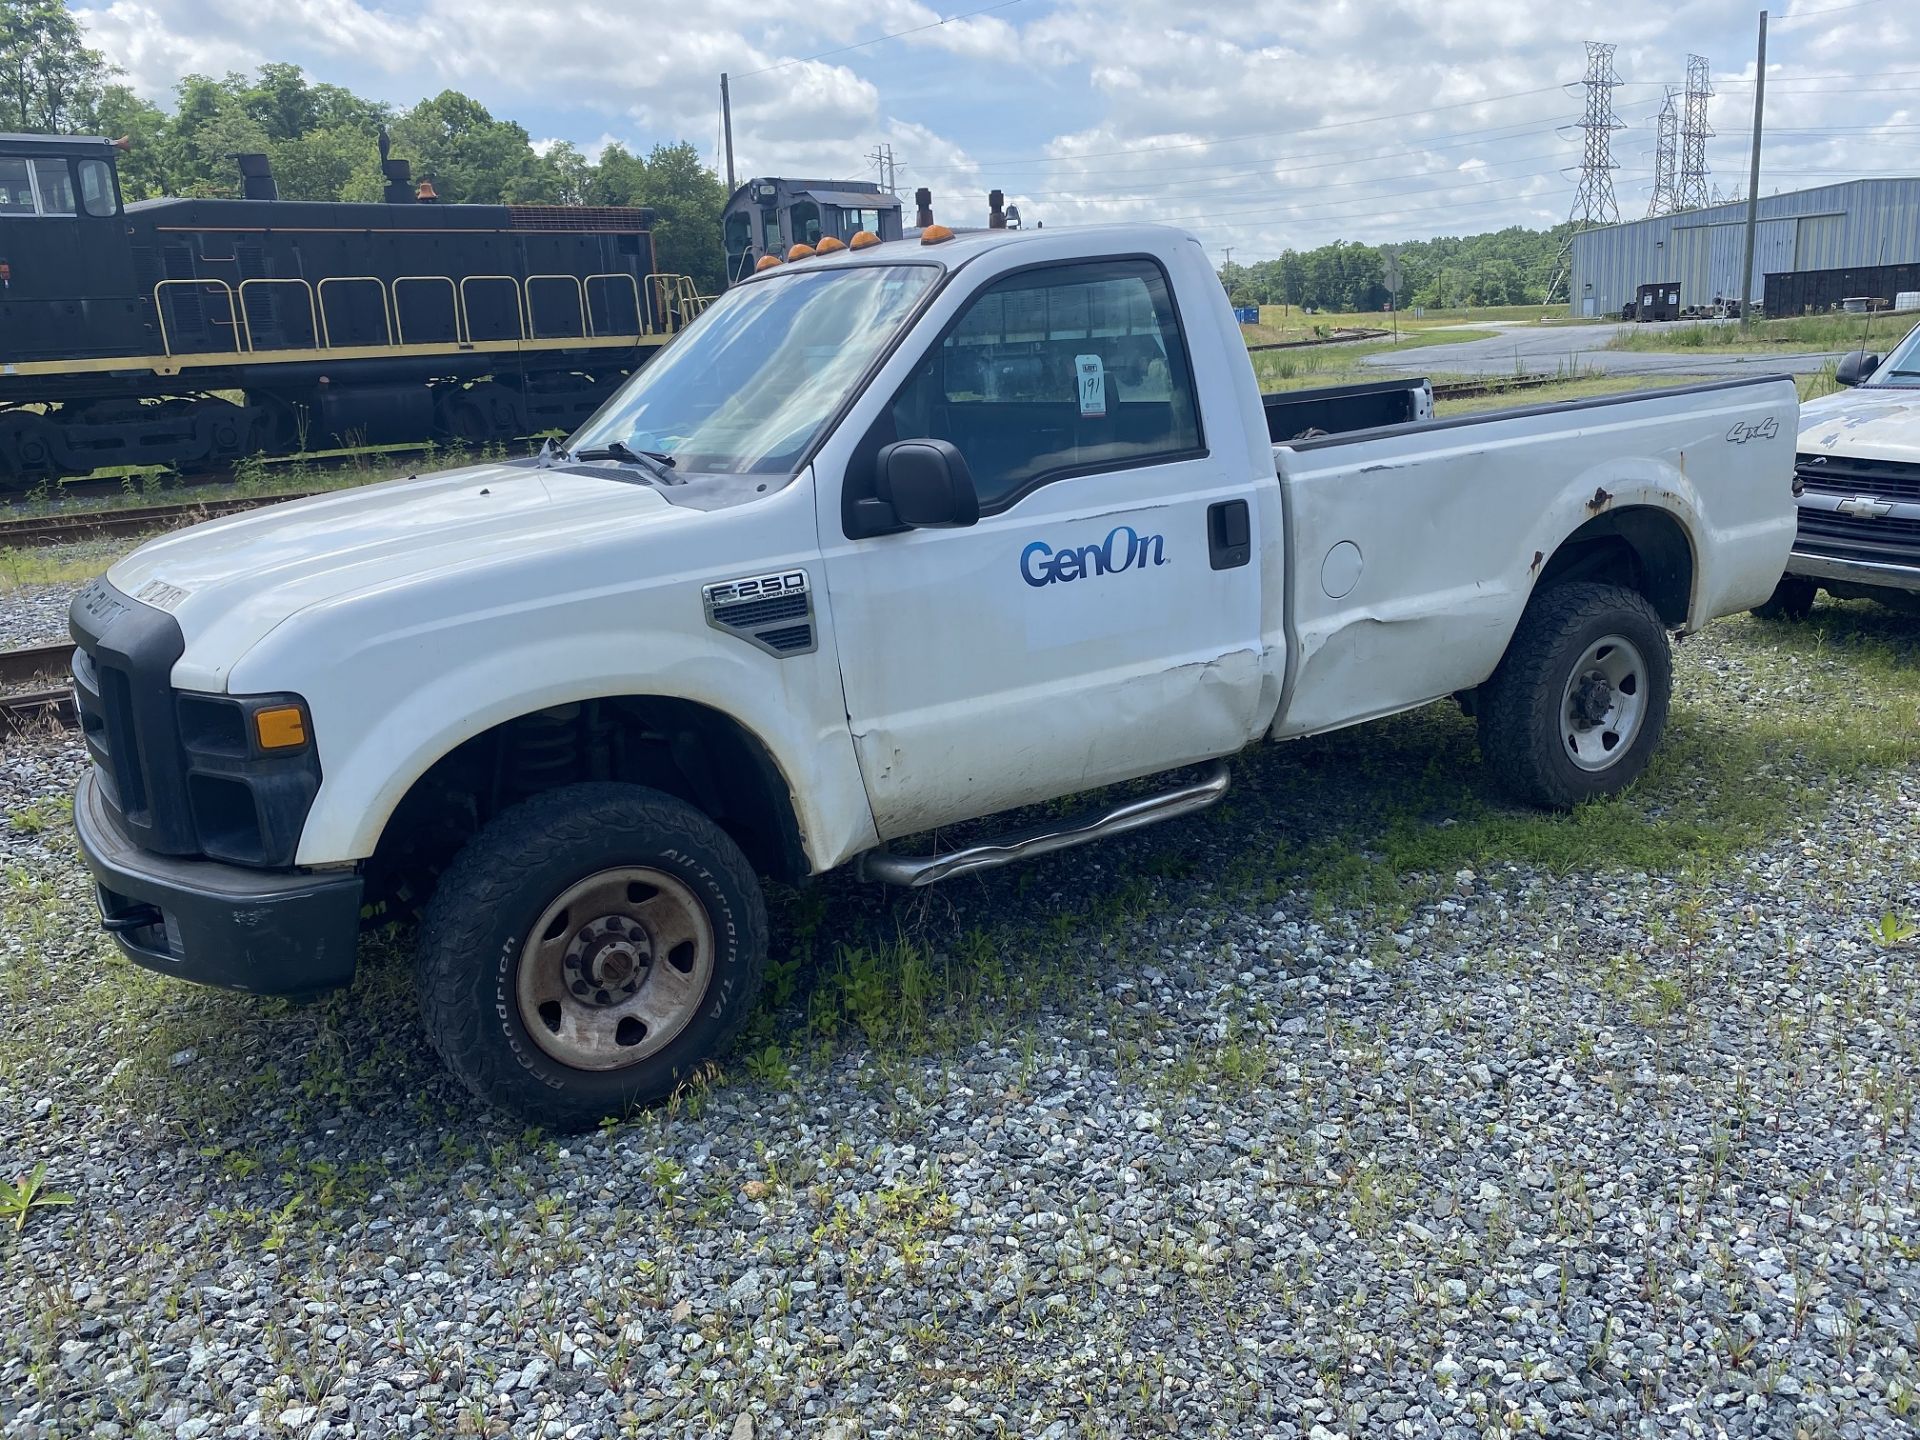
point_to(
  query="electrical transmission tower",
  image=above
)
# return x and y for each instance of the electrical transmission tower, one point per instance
(1593, 202)
(1666, 160)
(882, 157)
(1694, 134)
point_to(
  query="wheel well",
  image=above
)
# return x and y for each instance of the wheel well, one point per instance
(685, 749)
(1644, 549)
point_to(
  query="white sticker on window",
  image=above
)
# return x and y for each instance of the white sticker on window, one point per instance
(1092, 376)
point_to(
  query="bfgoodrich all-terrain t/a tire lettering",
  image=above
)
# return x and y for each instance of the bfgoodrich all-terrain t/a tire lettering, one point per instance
(650, 947)
(1579, 701)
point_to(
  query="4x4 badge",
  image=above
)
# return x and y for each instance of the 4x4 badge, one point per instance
(1745, 430)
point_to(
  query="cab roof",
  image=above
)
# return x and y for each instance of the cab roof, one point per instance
(966, 245)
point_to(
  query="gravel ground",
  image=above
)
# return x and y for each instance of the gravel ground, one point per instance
(1171, 1136)
(35, 614)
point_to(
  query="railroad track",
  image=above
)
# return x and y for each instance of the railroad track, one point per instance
(63, 526)
(49, 702)
(1464, 389)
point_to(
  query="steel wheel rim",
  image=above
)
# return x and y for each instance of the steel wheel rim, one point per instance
(1604, 703)
(615, 968)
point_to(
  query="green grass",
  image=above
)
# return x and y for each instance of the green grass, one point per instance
(1806, 332)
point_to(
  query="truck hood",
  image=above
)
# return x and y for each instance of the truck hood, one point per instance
(229, 582)
(1871, 423)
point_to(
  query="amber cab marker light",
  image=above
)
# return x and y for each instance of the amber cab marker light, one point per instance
(766, 262)
(862, 239)
(281, 728)
(934, 234)
(800, 252)
(829, 244)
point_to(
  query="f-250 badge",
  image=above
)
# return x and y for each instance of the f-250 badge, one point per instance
(1744, 430)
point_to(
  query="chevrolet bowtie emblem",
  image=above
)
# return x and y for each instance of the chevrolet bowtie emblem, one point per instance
(1865, 507)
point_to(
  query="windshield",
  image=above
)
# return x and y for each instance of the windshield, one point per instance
(1902, 367)
(751, 384)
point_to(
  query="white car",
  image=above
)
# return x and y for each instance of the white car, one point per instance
(888, 540)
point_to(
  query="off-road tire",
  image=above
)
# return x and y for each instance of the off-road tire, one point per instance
(476, 926)
(1520, 706)
(1792, 599)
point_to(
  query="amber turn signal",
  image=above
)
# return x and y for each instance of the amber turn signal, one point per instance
(829, 244)
(862, 239)
(767, 262)
(281, 728)
(800, 252)
(934, 234)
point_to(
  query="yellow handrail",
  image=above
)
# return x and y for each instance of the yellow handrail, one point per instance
(160, 310)
(386, 313)
(519, 301)
(313, 313)
(579, 299)
(399, 326)
(639, 314)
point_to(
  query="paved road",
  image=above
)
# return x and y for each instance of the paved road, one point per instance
(1547, 348)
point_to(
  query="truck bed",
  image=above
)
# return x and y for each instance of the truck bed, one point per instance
(1340, 409)
(1414, 548)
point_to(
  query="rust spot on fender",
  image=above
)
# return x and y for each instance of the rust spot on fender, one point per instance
(1601, 499)
(1538, 556)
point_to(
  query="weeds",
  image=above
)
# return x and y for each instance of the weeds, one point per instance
(28, 1193)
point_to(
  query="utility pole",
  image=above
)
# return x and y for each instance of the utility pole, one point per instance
(882, 158)
(726, 120)
(1753, 177)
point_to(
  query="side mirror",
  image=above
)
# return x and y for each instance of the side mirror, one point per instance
(1855, 368)
(927, 485)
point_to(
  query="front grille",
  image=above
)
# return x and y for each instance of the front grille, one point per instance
(1849, 475)
(1885, 540)
(122, 682)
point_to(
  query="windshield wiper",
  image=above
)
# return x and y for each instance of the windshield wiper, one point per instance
(657, 463)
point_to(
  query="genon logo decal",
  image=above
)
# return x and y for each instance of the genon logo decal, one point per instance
(1124, 549)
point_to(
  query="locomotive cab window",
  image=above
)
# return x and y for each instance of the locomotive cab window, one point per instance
(16, 187)
(96, 188)
(54, 182)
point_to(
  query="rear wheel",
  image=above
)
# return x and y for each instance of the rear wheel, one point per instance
(1792, 599)
(588, 950)
(1579, 701)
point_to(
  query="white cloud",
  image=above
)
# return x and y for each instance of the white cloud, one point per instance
(1259, 125)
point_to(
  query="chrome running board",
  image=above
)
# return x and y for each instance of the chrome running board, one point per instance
(918, 870)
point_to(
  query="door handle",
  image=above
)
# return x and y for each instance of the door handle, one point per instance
(1229, 534)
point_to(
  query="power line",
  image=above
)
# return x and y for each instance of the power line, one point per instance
(878, 39)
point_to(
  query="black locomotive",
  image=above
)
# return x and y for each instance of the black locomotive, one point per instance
(189, 332)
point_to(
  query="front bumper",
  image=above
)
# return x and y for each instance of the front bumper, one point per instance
(263, 931)
(1859, 572)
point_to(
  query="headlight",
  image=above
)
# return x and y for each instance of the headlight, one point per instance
(252, 773)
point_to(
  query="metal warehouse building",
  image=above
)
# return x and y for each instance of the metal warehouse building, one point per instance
(1863, 223)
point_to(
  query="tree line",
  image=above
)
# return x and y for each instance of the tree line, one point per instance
(323, 140)
(1514, 266)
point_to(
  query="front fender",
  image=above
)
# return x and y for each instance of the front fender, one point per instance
(386, 709)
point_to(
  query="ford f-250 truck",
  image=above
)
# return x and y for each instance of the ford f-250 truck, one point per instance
(907, 536)
(1859, 488)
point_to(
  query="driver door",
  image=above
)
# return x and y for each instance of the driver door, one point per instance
(1102, 619)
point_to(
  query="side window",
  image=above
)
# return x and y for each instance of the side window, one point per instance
(56, 186)
(16, 189)
(96, 187)
(1057, 371)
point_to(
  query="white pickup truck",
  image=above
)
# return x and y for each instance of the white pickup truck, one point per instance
(1859, 488)
(893, 539)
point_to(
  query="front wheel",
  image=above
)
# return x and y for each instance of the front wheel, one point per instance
(588, 950)
(1579, 701)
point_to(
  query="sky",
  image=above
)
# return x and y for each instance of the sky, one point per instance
(1259, 125)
